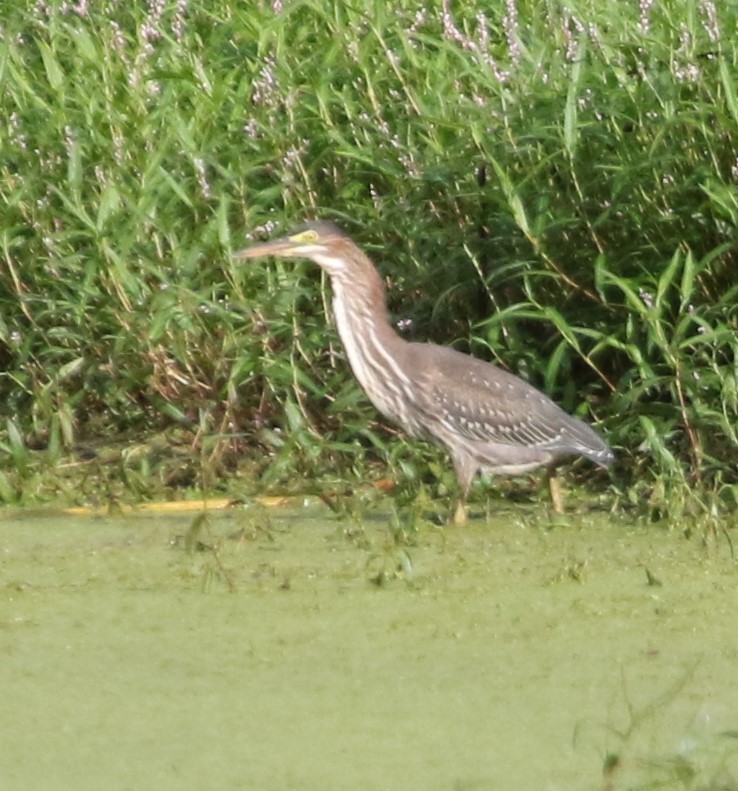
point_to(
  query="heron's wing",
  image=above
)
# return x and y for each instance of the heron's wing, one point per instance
(480, 402)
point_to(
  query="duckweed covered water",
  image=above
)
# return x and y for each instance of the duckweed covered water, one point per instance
(298, 651)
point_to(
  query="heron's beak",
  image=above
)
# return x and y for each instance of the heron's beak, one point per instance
(281, 247)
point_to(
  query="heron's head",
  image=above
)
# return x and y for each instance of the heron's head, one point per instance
(322, 242)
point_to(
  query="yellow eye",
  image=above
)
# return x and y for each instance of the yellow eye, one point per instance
(306, 237)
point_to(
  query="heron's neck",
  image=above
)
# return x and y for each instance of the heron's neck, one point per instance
(373, 347)
(360, 311)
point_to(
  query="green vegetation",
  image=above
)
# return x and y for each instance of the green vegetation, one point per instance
(567, 176)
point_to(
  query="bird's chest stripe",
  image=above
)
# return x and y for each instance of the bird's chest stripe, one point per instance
(329, 263)
(378, 372)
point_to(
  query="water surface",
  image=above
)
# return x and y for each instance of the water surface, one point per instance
(294, 650)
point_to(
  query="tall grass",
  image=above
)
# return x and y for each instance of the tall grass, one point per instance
(553, 188)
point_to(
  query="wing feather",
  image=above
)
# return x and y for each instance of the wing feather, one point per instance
(480, 402)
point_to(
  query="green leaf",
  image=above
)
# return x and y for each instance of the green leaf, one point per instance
(70, 369)
(571, 131)
(726, 79)
(667, 280)
(513, 199)
(110, 201)
(54, 74)
(686, 289)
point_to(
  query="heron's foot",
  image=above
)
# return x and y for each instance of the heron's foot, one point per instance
(557, 496)
(460, 515)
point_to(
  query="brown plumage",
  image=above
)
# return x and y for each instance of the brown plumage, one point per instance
(486, 418)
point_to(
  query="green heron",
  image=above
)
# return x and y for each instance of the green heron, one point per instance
(487, 419)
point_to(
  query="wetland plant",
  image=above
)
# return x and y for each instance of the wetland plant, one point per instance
(553, 192)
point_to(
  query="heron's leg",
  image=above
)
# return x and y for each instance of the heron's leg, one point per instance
(554, 487)
(465, 472)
